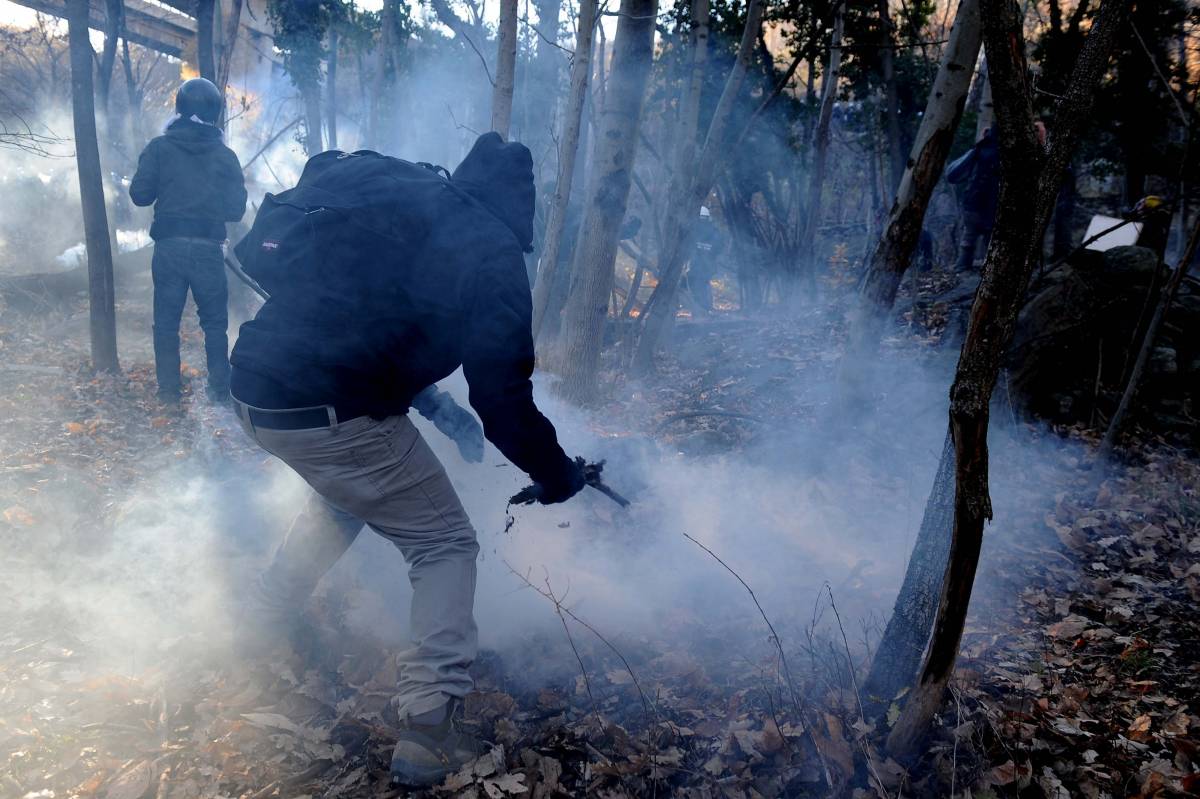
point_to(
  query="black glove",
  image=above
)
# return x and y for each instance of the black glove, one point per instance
(561, 487)
(452, 420)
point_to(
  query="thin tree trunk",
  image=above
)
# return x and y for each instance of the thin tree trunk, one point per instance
(311, 94)
(987, 112)
(580, 71)
(616, 146)
(892, 108)
(228, 41)
(893, 253)
(820, 147)
(543, 87)
(331, 90)
(506, 65)
(101, 301)
(204, 40)
(383, 78)
(1143, 357)
(680, 215)
(1029, 183)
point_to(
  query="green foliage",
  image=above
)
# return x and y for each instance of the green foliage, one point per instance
(300, 28)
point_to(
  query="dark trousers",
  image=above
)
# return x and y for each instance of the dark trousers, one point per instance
(975, 227)
(199, 265)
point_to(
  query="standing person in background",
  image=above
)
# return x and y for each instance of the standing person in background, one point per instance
(195, 184)
(703, 266)
(979, 171)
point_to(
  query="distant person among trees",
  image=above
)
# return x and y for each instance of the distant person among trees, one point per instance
(195, 184)
(979, 172)
(703, 267)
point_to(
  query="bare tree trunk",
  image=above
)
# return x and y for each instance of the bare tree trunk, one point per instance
(1135, 377)
(229, 37)
(311, 94)
(542, 86)
(101, 301)
(204, 40)
(820, 147)
(1029, 183)
(681, 213)
(506, 65)
(580, 71)
(331, 90)
(133, 96)
(892, 110)
(893, 254)
(987, 112)
(616, 146)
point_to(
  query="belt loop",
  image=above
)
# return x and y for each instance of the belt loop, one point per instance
(333, 420)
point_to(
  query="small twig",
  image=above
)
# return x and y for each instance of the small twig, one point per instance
(774, 635)
(274, 138)
(857, 694)
(587, 682)
(646, 703)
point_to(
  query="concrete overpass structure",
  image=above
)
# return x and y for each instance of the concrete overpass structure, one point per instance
(167, 26)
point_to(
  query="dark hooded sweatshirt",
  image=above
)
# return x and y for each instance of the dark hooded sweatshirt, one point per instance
(193, 180)
(446, 288)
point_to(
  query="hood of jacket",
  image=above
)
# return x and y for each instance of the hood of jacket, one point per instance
(193, 136)
(499, 175)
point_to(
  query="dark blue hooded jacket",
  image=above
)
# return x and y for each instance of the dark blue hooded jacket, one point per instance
(391, 311)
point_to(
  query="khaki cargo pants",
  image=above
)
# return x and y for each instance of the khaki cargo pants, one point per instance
(383, 475)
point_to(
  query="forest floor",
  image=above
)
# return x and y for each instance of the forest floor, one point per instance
(1079, 674)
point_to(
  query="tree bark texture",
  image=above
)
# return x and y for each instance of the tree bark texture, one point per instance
(893, 253)
(1029, 182)
(681, 213)
(899, 652)
(506, 65)
(615, 148)
(205, 61)
(581, 66)
(820, 146)
(101, 300)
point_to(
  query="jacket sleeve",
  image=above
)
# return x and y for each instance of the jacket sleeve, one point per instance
(960, 167)
(498, 364)
(143, 189)
(233, 188)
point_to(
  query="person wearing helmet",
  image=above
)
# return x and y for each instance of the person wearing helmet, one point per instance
(195, 184)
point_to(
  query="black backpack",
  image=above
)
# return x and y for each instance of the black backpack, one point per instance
(345, 207)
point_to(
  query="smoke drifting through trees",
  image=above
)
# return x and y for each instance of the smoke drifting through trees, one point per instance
(789, 123)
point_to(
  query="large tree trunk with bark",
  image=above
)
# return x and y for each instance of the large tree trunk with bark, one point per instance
(379, 124)
(205, 60)
(1029, 183)
(616, 146)
(101, 299)
(894, 251)
(820, 148)
(506, 66)
(581, 66)
(681, 212)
